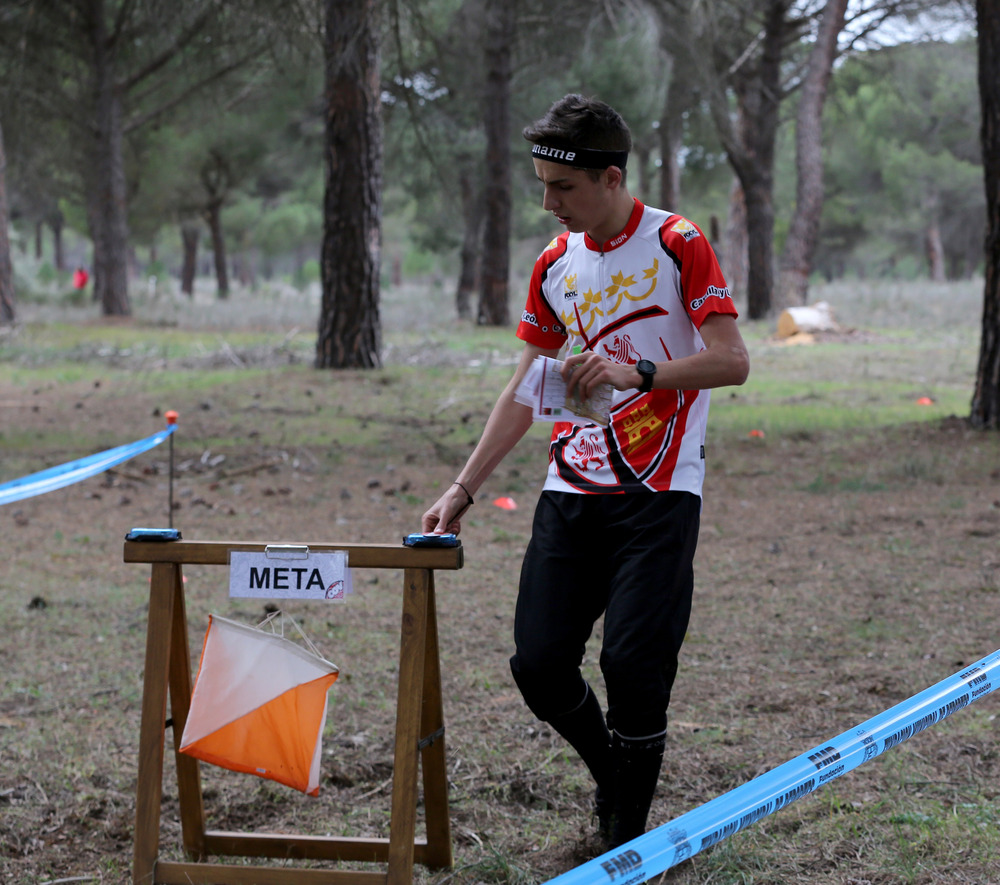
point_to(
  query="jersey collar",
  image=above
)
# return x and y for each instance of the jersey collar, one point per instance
(621, 238)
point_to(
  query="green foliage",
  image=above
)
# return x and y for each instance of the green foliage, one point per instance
(285, 227)
(46, 274)
(306, 274)
(901, 135)
(623, 66)
(902, 153)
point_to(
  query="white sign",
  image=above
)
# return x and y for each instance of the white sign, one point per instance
(290, 573)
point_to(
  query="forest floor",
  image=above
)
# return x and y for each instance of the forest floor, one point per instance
(841, 569)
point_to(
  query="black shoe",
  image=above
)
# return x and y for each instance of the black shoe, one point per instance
(604, 808)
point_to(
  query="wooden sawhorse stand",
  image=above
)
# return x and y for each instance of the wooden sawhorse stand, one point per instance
(419, 736)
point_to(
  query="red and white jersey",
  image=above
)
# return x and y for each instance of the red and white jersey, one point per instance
(643, 297)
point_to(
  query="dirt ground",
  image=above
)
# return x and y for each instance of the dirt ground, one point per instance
(835, 577)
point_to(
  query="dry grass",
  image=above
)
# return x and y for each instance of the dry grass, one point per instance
(844, 565)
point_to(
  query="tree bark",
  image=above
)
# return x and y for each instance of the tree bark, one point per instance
(498, 39)
(472, 240)
(190, 234)
(734, 252)
(671, 137)
(803, 233)
(350, 330)
(212, 214)
(107, 195)
(243, 269)
(57, 222)
(934, 248)
(7, 309)
(758, 94)
(215, 179)
(986, 397)
(760, 241)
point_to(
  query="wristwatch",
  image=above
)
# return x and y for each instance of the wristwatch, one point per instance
(646, 368)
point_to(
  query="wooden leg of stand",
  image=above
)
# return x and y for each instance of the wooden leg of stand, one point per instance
(149, 783)
(192, 809)
(439, 855)
(403, 820)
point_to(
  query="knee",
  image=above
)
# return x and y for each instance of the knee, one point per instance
(547, 691)
(637, 699)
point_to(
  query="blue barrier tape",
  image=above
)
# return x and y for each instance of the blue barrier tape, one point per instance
(73, 471)
(684, 836)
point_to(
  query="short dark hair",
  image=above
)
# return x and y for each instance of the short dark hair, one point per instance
(582, 122)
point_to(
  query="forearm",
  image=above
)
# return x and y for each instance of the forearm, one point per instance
(722, 362)
(506, 425)
(508, 422)
(718, 366)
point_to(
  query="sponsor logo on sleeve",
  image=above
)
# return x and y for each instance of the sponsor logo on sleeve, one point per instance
(711, 292)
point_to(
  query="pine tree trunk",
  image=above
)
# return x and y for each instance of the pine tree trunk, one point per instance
(350, 331)
(734, 253)
(56, 222)
(215, 179)
(934, 249)
(986, 398)
(758, 94)
(498, 37)
(671, 137)
(213, 218)
(803, 233)
(760, 243)
(472, 239)
(190, 234)
(107, 194)
(7, 309)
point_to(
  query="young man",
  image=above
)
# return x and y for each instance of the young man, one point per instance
(636, 297)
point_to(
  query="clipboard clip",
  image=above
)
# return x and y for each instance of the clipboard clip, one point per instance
(287, 551)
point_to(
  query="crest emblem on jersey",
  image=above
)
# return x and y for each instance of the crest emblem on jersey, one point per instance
(641, 426)
(686, 229)
(621, 350)
(588, 453)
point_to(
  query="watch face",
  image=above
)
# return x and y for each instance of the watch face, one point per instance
(647, 369)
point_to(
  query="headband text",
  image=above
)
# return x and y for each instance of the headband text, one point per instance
(585, 158)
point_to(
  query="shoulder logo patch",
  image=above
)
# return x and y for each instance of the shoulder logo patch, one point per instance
(686, 229)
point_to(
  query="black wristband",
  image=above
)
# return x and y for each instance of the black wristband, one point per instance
(467, 495)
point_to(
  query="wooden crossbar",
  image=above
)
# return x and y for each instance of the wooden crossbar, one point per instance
(419, 738)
